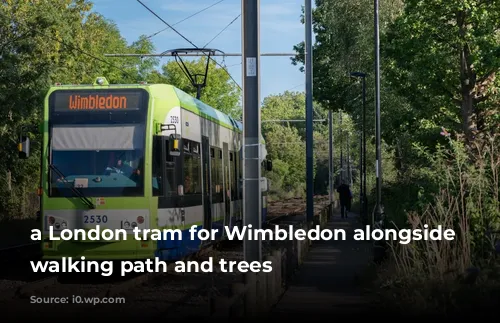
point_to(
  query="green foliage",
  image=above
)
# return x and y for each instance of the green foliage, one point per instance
(461, 193)
(220, 91)
(52, 41)
(344, 44)
(442, 56)
(63, 41)
(284, 144)
(439, 61)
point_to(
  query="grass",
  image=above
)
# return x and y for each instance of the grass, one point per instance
(450, 277)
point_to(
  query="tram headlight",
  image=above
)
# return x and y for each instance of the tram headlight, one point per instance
(134, 224)
(64, 225)
(126, 225)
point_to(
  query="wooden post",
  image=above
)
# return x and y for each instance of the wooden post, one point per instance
(251, 296)
(299, 252)
(271, 283)
(277, 271)
(236, 309)
(261, 291)
(284, 269)
(308, 242)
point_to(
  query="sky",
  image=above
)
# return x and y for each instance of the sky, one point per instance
(280, 30)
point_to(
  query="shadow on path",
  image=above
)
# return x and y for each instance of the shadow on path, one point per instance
(329, 278)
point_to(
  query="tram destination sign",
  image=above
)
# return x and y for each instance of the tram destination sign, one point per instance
(97, 100)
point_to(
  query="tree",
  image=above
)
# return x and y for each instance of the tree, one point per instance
(288, 138)
(220, 91)
(287, 150)
(344, 44)
(284, 106)
(52, 41)
(445, 56)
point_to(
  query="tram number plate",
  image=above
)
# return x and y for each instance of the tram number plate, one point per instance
(95, 219)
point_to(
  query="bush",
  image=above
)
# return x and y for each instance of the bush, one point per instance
(443, 276)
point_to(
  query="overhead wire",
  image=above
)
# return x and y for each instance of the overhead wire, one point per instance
(228, 66)
(166, 23)
(181, 35)
(296, 86)
(191, 16)
(227, 26)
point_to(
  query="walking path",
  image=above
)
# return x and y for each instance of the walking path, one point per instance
(329, 278)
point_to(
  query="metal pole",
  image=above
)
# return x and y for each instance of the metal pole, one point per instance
(341, 148)
(198, 92)
(360, 177)
(309, 112)
(349, 177)
(251, 126)
(378, 165)
(365, 199)
(330, 157)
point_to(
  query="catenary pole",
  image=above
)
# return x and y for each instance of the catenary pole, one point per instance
(251, 126)
(365, 200)
(330, 157)
(378, 166)
(309, 113)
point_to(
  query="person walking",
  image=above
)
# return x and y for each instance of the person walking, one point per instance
(345, 199)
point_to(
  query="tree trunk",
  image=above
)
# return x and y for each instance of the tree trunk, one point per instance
(9, 180)
(467, 81)
(468, 116)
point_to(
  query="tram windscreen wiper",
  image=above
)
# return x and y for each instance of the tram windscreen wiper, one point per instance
(84, 199)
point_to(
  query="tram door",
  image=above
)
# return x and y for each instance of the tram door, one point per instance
(207, 203)
(227, 184)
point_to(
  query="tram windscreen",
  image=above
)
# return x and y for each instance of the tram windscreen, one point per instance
(98, 151)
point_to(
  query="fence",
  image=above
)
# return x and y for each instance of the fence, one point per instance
(257, 293)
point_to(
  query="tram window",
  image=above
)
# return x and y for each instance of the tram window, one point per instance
(213, 170)
(157, 173)
(171, 187)
(171, 179)
(195, 148)
(240, 176)
(233, 175)
(219, 175)
(192, 173)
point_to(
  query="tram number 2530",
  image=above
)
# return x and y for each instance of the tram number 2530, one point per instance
(95, 219)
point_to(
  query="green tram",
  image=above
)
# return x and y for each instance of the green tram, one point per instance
(141, 155)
